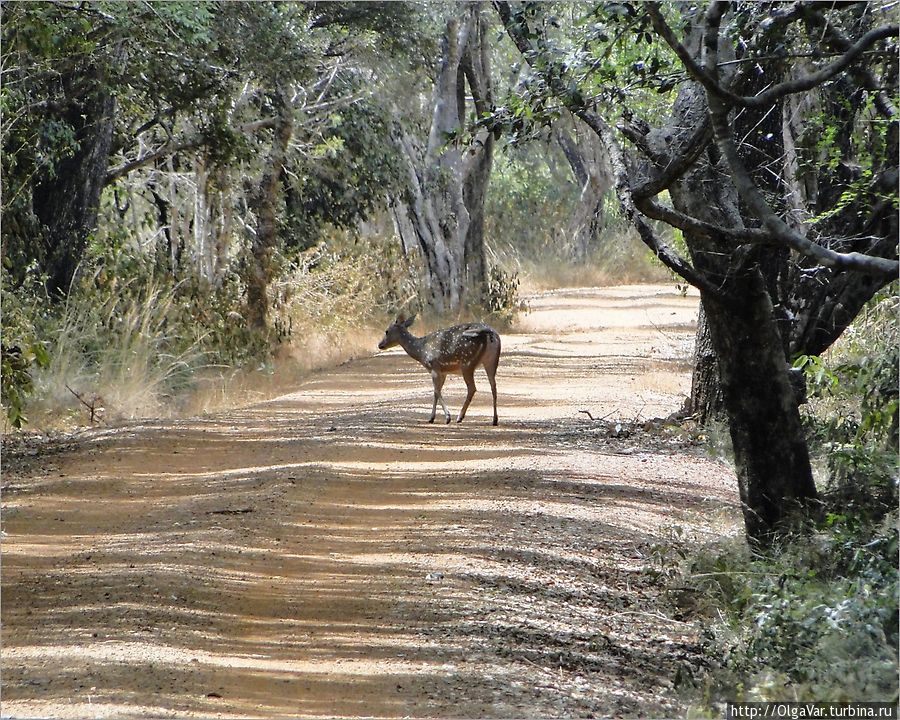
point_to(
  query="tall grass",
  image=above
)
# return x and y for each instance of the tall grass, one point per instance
(336, 302)
(618, 259)
(153, 347)
(122, 352)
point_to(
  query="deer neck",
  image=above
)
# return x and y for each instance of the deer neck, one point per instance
(414, 346)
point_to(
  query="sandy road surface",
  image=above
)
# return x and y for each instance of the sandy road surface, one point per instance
(328, 553)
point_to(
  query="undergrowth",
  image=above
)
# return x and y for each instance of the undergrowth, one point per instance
(816, 620)
(152, 345)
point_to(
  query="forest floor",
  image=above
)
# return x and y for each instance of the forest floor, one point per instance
(330, 554)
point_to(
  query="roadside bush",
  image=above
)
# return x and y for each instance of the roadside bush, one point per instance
(816, 621)
(147, 345)
(503, 299)
(852, 416)
(122, 346)
(336, 293)
(22, 353)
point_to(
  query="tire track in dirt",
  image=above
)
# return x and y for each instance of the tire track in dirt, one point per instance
(328, 553)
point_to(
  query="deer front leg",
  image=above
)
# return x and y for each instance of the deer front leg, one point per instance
(438, 379)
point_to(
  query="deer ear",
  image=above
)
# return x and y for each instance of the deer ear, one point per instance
(409, 321)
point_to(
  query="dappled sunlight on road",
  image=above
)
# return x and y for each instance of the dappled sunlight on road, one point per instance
(329, 553)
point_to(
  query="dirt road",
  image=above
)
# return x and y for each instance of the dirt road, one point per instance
(329, 553)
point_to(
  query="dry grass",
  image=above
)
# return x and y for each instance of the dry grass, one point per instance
(114, 355)
(335, 311)
(620, 260)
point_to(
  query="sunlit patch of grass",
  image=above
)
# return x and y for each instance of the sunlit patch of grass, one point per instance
(121, 354)
(619, 259)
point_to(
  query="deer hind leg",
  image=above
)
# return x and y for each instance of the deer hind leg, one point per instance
(469, 376)
(438, 380)
(490, 360)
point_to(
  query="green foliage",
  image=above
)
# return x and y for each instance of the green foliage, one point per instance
(852, 417)
(23, 353)
(603, 53)
(530, 196)
(347, 174)
(815, 621)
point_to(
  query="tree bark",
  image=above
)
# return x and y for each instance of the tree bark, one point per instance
(67, 203)
(264, 202)
(442, 215)
(706, 402)
(770, 452)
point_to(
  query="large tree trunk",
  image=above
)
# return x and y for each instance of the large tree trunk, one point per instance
(442, 216)
(264, 202)
(770, 451)
(67, 203)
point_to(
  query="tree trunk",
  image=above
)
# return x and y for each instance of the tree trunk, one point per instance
(706, 402)
(442, 215)
(477, 71)
(264, 202)
(67, 204)
(770, 451)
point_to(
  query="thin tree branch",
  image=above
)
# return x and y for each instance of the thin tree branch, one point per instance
(747, 189)
(679, 164)
(694, 70)
(687, 223)
(166, 150)
(751, 195)
(707, 75)
(807, 82)
(170, 148)
(835, 38)
(664, 252)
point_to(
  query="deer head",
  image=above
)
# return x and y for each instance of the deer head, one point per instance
(395, 331)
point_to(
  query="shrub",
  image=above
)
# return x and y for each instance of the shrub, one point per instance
(852, 416)
(503, 300)
(816, 621)
(22, 353)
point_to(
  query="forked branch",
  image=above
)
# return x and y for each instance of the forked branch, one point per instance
(553, 75)
(721, 102)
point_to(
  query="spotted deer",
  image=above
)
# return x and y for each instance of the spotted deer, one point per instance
(458, 349)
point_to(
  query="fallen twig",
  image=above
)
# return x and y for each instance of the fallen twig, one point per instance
(91, 406)
(599, 419)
